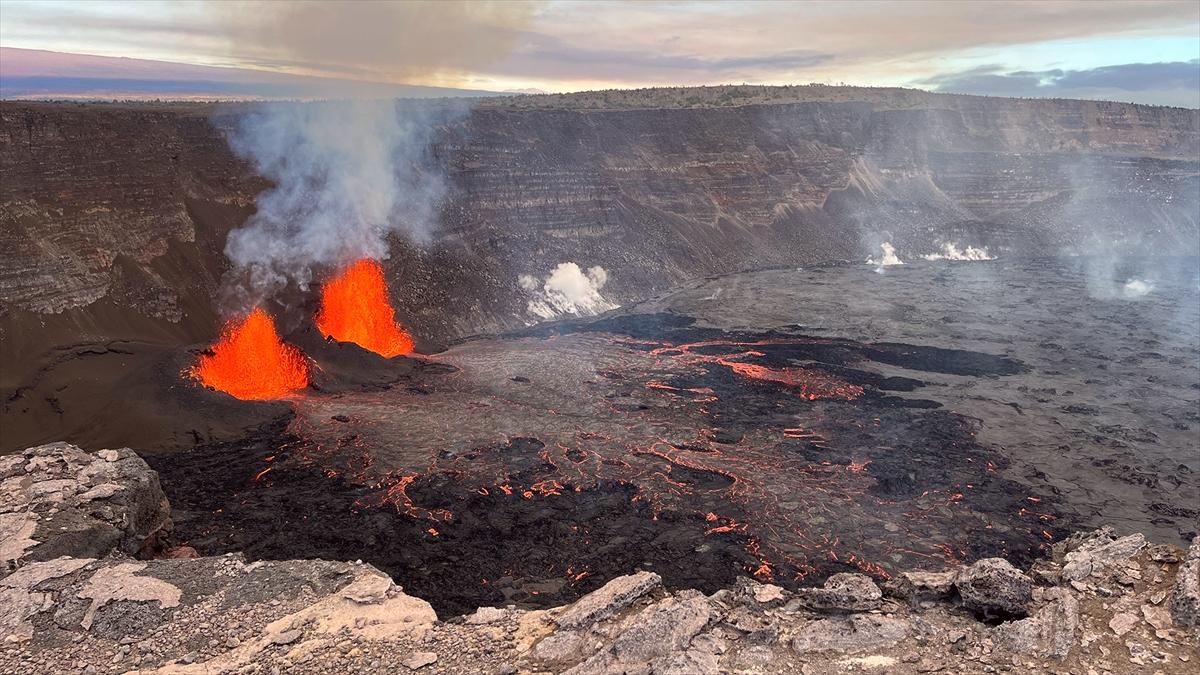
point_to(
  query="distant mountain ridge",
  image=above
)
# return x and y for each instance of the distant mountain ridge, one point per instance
(33, 74)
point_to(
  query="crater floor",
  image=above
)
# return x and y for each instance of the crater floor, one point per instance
(788, 424)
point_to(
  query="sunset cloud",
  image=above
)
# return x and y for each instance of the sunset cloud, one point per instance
(1175, 83)
(1096, 48)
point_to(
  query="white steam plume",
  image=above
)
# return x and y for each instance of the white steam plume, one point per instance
(1136, 288)
(567, 290)
(889, 257)
(951, 251)
(346, 175)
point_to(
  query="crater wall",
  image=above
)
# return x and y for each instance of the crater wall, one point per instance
(113, 217)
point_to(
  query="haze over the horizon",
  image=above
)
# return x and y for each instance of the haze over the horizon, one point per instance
(1145, 52)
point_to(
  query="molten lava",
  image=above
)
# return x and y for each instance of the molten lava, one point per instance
(251, 362)
(355, 308)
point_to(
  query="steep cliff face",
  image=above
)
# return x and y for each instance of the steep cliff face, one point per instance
(113, 218)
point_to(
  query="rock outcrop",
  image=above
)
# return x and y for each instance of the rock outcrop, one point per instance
(994, 588)
(1185, 596)
(113, 614)
(844, 592)
(1093, 553)
(57, 500)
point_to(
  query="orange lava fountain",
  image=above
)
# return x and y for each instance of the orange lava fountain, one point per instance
(355, 308)
(251, 362)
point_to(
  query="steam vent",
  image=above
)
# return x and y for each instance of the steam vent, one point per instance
(510, 338)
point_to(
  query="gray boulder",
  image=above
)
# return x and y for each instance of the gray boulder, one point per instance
(1098, 552)
(994, 588)
(660, 633)
(1185, 594)
(843, 592)
(856, 633)
(1050, 633)
(58, 500)
(917, 586)
(607, 600)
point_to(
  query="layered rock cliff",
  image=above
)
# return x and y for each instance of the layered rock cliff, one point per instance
(113, 217)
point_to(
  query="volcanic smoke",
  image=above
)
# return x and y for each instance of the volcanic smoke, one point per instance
(355, 308)
(251, 362)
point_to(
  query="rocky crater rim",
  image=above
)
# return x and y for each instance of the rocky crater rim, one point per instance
(71, 522)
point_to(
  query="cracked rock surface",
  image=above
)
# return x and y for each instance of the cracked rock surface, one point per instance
(57, 500)
(1132, 612)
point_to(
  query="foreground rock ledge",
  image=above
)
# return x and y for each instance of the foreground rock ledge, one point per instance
(1104, 604)
(57, 500)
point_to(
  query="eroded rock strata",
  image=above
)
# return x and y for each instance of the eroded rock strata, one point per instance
(1102, 603)
(114, 217)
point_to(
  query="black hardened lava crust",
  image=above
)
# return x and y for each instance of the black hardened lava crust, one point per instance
(495, 549)
(460, 542)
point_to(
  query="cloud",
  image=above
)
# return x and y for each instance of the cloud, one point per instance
(570, 45)
(28, 73)
(549, 56)
(1170, 83)
(388, 40)
(360, 39)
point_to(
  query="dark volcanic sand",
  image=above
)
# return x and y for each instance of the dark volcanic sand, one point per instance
(787, 423)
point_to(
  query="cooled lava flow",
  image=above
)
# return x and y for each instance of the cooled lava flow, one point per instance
(251, 362)
(666, 441)
(783, 442)
(808, 383)
(777, 455)
(355, 308)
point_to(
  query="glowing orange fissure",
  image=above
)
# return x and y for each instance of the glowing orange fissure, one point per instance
(355, 308)
(251, 362)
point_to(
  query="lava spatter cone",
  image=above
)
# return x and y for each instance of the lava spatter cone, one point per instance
(251, 362)
(355, 308)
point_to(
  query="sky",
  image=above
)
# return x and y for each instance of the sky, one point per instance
(1145, 51)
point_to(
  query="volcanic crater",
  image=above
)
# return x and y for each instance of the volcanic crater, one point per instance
(531, 467)
(786, 423)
